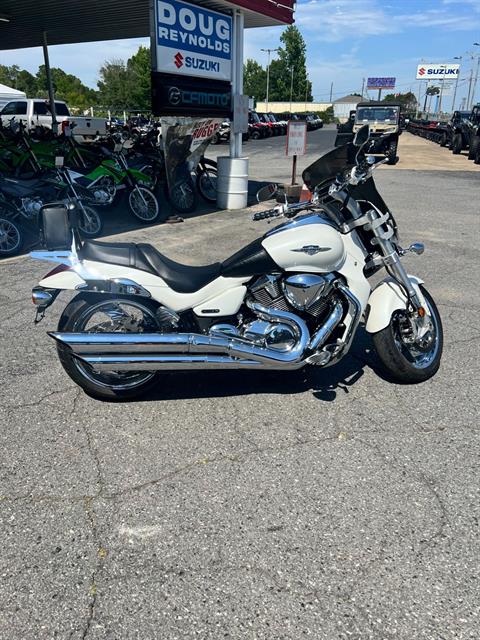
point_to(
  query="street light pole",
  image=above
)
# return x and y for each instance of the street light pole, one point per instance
(268, 51)
(456, 83)
(441, 92)
(291, 89)
(476, 44)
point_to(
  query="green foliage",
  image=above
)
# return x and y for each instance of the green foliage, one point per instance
(126, 85)
(291, 63)
(407, 100)
(254, 79)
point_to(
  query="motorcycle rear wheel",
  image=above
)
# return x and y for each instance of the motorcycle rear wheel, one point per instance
(82, 314)
(90, 223)
(407, 362)
(182, 196)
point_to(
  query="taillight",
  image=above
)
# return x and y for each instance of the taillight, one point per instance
(58, 269)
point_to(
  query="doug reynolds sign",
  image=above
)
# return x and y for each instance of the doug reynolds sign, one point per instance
(192, 41)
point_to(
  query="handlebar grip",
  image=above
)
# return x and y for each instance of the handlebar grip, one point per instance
(263, 215)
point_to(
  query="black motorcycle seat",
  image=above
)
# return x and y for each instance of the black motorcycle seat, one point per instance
(20, 187)
(180, 277)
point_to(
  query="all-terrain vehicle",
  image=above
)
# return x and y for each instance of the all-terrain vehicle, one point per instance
(465, 133)
(383, 119)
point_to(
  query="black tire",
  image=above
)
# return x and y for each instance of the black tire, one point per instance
(477, 156)
(90, 223)
(255, 135)
(443, 140)
(392, 152)
(11, 238)
(473, 148)
(394, 358)
(457, 144)
(94, 384)
(207, 181)
(182, 196)
(215, 139)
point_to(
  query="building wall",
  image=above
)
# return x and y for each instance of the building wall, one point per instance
(297, 107)
(342, 110)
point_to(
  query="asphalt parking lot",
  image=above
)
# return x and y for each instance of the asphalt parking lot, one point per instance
(324, 504)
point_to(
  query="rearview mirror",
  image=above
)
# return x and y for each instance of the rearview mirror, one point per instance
(267, 193)
(361, 136)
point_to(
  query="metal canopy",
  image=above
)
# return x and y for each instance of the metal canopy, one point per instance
(74, 21)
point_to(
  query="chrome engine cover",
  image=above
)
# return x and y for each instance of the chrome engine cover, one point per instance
(271, 335)
(303, 290)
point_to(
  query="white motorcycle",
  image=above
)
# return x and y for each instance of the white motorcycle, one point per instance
(292, 298)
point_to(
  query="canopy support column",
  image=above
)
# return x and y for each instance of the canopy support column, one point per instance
(51, 93)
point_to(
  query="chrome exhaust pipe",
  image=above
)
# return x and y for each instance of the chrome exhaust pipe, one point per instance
(153, 351)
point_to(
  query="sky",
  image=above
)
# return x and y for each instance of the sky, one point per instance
(347, 40)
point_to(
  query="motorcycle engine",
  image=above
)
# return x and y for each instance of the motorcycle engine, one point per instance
(304, 292)
(31, 206)
(101, 196)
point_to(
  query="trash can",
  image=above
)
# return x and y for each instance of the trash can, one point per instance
(232, 182)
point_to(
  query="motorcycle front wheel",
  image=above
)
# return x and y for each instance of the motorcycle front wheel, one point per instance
(90, 313)
(90, 223)
(182, 196)
(207, 181)
(11, 238)
(143, 204)
(404, 359)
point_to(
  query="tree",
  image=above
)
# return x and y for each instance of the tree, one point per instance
(114, 87)
(254, 79)
(67, 87)
(291, 62)
(138, 73)
(408, 100)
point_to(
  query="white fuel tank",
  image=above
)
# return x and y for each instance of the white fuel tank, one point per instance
(308, 244)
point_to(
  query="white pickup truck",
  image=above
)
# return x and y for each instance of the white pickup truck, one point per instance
(35, 112)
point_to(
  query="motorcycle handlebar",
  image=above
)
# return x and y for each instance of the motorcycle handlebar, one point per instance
(263, 215)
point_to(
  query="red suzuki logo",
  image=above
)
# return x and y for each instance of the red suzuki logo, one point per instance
(178, 59)
(421, 71)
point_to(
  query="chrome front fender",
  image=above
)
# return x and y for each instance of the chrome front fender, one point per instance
(385, 299)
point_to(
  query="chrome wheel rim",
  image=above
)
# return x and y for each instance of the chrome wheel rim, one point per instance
(89, 221)
(117, 316)
(9, 236)
(419, 354)
(183, 195)
(143, 204)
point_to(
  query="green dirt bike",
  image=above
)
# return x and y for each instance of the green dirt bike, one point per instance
(105, 173)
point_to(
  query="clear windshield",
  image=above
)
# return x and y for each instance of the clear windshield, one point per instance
(254, 117)
(328, 166)
(377, 114)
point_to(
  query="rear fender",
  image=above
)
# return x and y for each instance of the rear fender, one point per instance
(385, 299)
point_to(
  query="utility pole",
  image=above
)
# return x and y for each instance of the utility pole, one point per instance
(268, 51)
(456, 83)
(331, 91)
(363, 86)
(441, 91)
(470, 87)
(476, 44)
(291, 89)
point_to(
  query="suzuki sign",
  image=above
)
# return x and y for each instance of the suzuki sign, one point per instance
(437, 71)
(192, 41)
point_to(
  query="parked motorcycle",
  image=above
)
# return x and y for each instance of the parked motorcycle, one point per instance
(291, 298)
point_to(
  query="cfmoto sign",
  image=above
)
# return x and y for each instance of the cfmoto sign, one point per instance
(191, 40)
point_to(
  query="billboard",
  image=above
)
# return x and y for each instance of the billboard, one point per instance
(437, 71)
(380, 83)
(192, 41)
